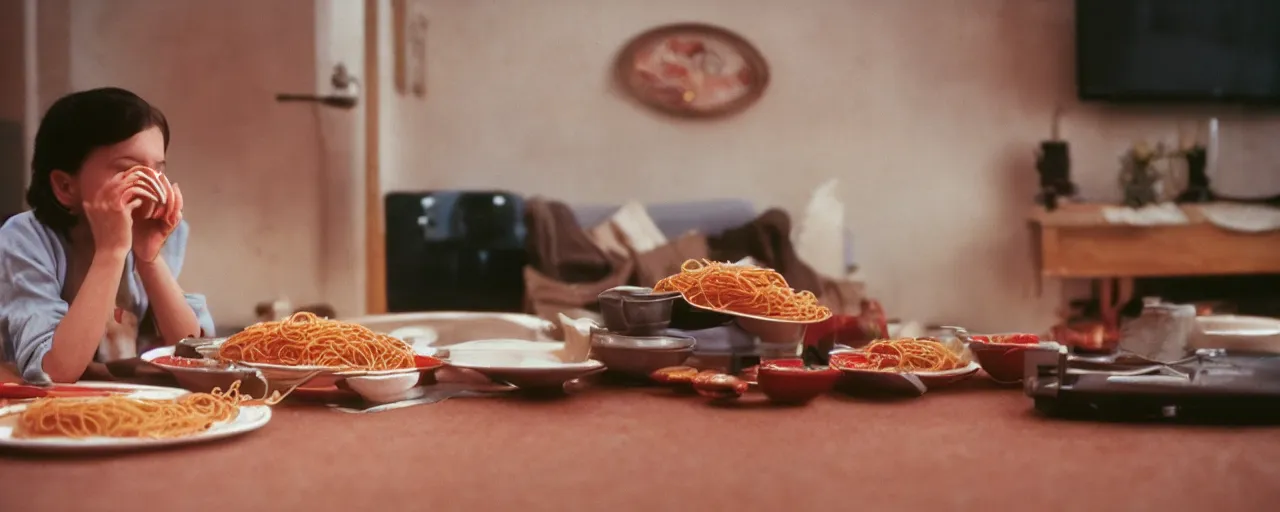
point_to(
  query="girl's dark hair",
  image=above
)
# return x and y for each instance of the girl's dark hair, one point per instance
(74, 126)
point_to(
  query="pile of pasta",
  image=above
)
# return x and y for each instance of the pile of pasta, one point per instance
(307, 340)
(905, 355)
(118, 416)
(742, 289)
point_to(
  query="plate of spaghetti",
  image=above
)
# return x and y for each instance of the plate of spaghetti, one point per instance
(145, 417)
(305, 342)
(884, 362)
(744, 291)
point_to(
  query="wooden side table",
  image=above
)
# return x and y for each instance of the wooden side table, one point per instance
(1076, 241)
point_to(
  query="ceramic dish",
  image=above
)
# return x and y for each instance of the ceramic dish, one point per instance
(250, 418)
(453, 327)
(211, 351)
(383, 388)
(1000, 357)
(526, 370)
(787, 381)
(209, 375)
(285, 378)
(501, 345)
(935, 380)
(424, 366)
(757, 317)
(771, 331)
(915, 383)
(1003, 362)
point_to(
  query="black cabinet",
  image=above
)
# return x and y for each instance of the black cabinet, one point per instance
(455, 250)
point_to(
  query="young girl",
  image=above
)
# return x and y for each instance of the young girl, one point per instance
(81, 269)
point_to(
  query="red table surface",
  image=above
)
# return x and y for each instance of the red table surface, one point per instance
(970, 448)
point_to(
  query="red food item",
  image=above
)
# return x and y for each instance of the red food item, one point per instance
(183, 362)
(717, 385)
(675, 375)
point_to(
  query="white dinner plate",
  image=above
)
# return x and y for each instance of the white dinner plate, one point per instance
(915, 383)
(523, 364)
(250, 418)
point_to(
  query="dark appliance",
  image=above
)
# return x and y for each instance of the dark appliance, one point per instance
(1053, 163)
(455, 250)
(1178, 50)
(1212, 386)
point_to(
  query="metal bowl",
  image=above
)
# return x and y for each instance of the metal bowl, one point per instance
(636, 310)
(639, 356)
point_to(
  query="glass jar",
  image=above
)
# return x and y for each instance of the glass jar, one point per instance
(1161, 332)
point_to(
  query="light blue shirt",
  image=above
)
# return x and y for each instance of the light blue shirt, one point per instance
(33, 275)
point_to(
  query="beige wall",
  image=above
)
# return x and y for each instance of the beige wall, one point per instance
(258, 176)
(927, 111)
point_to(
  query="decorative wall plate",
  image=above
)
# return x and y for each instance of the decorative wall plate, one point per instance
(692, 70)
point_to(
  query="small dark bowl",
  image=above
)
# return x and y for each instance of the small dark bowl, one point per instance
(639, 356)
(787, 381)
(636, 310)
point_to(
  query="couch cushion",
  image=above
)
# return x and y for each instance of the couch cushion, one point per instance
(709, 217)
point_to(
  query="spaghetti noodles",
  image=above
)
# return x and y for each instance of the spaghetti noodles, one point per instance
(744, 290)
(117, 416)
(905, 355)
(307, 340)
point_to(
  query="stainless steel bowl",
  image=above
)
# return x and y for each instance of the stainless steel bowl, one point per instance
(639, 356)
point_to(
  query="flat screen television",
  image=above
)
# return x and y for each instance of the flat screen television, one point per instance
(1178, 50)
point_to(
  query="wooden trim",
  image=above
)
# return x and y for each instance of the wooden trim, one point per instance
(375, 235)
(1157, 251)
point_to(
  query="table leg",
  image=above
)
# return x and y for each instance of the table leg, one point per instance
(1126, 290)
(1106, 302)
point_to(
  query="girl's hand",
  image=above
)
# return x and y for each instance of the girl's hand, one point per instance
(110, 213)
(149, 234)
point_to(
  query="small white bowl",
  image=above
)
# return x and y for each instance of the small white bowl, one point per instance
(384, 388)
